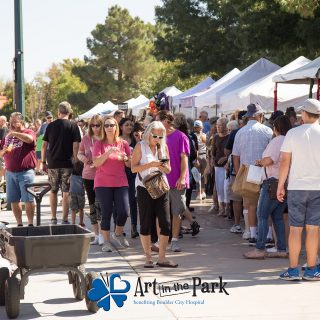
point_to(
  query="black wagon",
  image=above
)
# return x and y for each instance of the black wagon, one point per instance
(35, 249)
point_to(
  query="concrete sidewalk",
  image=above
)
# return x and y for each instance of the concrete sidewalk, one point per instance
(253, 288)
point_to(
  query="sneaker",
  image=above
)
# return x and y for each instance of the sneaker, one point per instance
(195, 228)
(291, 274)
(272, 250)
(246, 235)
(175, 247)
(95, 241)
(100, 240)
(106, 247)
(54, 221)
(203, 195)
(235, 229)
(311, 274)
(120, 240)
(252, 241)
(65, 222)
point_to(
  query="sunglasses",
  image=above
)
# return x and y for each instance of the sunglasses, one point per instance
(154, 136)
(95, 125)
(107, 125)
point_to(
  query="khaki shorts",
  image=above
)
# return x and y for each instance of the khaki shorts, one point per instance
(59, 178)
(250, 200)
(177, 201)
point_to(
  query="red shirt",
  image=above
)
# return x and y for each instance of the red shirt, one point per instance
(23, 155)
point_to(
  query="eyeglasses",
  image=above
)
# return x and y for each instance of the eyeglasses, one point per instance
(95, 125)
(111, 125)
(154, 136)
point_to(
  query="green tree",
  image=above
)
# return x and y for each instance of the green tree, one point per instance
(210, 35)
(305, 8)
(121, 58)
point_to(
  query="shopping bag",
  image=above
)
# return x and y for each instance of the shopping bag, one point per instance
(237, 184)
(255, 174)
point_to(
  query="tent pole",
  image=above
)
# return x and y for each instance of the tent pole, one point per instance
(311, 86)
(318, 91)
(275, 97)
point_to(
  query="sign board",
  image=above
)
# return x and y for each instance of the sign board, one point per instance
(123, 106)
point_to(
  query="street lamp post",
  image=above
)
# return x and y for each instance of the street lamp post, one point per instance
(18, 58)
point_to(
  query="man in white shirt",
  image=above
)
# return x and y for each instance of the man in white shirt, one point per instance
(300, 154)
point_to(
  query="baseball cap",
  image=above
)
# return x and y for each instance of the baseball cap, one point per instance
(311, 106)
(253, 110)
(48, 114)
(198, 123)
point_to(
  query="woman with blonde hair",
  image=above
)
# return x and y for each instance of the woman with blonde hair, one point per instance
(89, 171)
(110, 156)
(149, 155)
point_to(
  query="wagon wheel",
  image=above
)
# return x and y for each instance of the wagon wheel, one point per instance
(4, 275)
(91, 305)
(12, 297)
(76, 284)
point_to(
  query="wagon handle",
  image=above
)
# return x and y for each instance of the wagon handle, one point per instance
(38, 195)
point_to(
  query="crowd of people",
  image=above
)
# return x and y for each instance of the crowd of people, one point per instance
(109, 158)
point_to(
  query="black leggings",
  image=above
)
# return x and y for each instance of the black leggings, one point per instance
(88, 185)
(149, 209)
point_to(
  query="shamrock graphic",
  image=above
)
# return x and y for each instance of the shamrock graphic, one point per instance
(102, 292)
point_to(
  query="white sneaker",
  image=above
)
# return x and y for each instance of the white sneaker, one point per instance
(100, 240)
(203, 195)
(246, 235)
(95, 241)
(235, 229)
(120, 240)
(106, 247)
(272, 250)
(175, 247)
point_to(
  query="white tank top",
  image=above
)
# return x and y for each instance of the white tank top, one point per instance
(146, 157)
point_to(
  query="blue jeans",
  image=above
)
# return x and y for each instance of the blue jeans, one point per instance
(16, 185)
(111, 198)
(267, 207)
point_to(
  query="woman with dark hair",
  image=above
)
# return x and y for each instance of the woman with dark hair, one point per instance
(126, 133)
(292, 115)
(266, 205)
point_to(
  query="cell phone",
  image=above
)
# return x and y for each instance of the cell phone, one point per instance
(164, 160)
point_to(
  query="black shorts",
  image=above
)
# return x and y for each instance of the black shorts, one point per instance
(150, 208)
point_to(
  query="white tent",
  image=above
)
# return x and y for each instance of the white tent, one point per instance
(199, 87)
(262, 91)
(138, 104)
(202, 98)
(100, 108)
(171, 91)
(302, 74)
(255, 71)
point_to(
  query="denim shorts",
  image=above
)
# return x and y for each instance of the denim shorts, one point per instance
(16, 182)
(304, 207)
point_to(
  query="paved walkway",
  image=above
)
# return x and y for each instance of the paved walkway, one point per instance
(253, 288)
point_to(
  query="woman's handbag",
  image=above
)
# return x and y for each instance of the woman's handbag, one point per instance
(273, 187)
(155, 184)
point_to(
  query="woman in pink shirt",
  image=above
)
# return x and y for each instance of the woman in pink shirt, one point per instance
(110, 156)
(89, 171)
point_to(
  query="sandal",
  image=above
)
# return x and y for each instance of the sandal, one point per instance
(167, 264)
(149, 264)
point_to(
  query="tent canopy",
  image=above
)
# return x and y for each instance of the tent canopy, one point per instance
(255, 71)
(302, 74)
(262, 91)
(199, 87)
(203, 98)
(171, 91)
(100, 108)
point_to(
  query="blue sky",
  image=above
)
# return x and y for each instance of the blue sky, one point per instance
(57, 29)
